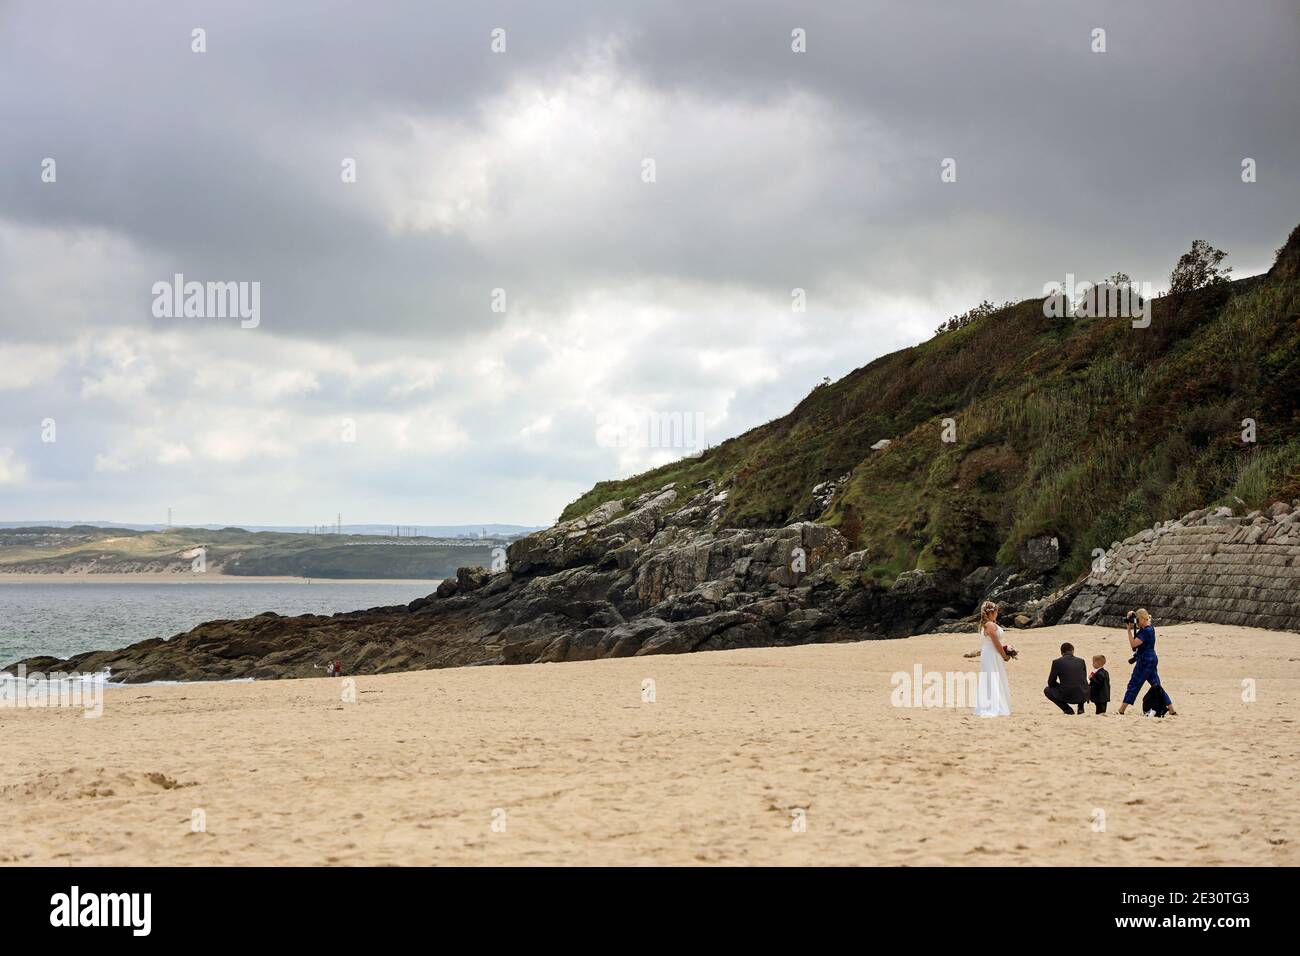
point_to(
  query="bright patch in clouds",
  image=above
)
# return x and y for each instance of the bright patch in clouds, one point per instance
(12, 471)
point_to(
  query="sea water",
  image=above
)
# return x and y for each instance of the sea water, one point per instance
(61, 619)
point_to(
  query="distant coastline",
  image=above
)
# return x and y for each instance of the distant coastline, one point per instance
(189, 577)
(195, 554)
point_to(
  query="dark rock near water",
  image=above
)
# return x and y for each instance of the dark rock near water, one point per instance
(471, 579)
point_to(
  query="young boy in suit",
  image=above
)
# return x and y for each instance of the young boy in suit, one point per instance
(1099, 683)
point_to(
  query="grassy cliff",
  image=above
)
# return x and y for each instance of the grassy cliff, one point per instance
(1088, 429)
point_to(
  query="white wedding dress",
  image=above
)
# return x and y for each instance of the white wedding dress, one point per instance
(993, 693)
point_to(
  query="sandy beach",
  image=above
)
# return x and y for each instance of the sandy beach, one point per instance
(568, 764)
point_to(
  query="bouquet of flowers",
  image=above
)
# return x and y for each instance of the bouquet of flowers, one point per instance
(1012, 653)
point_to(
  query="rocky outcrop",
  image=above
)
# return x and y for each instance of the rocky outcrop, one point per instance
(823, 493)
(651, 575)
(1021, 592)
(1207, 566)
(1040, 554)
(658, 575)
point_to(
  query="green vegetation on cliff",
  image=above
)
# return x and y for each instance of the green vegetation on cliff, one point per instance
(1086, 429)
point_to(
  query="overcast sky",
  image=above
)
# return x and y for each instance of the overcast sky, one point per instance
(381, 383)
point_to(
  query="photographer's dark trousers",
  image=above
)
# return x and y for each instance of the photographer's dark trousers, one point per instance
(1144, 672)
(1057, 697)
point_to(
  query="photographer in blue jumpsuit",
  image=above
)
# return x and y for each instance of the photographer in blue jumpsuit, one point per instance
(1144, 658)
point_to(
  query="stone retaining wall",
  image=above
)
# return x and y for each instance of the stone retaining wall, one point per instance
(1207, 566)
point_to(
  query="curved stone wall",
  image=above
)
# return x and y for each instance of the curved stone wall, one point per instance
(1206, 566)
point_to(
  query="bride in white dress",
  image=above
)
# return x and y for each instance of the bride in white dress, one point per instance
(993, 693)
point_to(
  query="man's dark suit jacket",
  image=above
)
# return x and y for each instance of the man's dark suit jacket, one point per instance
(1071, 675)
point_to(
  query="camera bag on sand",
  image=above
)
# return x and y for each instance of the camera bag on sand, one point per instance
(1153, 702)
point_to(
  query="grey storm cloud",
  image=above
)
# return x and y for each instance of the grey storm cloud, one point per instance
(523, 171)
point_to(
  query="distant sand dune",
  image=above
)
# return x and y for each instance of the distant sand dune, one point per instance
(581, 770)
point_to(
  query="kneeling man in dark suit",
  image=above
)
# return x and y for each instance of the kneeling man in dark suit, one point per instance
(1068, 682)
